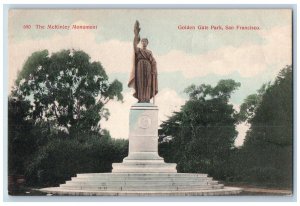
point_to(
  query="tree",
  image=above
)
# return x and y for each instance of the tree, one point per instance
(66, 89)
(268, 146)
(56, 98)
(249, 106)
(20, 142)
(203, 131)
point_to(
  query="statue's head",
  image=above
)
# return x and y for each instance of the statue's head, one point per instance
(144, 42)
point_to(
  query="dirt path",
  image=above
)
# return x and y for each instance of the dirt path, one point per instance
(257, 190)
(263, 191)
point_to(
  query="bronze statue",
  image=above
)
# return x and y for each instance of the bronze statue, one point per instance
(143, 77)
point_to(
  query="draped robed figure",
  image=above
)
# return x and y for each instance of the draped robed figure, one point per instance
(143, 76)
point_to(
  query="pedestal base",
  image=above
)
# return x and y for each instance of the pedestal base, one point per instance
(142, 184)
(144, 162)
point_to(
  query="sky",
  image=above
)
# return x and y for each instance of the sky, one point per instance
(184, 56)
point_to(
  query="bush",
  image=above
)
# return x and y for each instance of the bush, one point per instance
(268, 176)
(61, 159)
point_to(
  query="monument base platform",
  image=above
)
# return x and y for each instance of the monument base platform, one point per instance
(144, 162)
(142, 184)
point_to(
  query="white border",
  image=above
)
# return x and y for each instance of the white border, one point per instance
(157, 2)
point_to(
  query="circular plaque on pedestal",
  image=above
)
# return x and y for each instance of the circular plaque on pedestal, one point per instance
(144, 122)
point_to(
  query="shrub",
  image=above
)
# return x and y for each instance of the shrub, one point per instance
(61, 159)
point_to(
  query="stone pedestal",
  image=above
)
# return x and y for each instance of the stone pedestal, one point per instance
(143, 143)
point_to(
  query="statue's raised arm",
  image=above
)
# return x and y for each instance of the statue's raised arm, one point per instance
(137, 30)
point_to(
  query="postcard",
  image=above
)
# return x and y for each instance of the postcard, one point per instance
(150, 102)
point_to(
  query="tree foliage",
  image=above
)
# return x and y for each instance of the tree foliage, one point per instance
(20, 141)
(48, 156)
(249, 106)
(66, 88)
(54, 113)
(203, 132)
(267, 151)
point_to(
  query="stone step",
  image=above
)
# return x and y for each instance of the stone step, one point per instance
(144, 170)
(143, 161)
(141, 188)
(176, 175)
(137, 183)
(145, 181)
(139, 165)
(210, 192)
(143, 156)
(141, 178)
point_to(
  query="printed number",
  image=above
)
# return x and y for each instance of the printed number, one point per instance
(28, 26)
